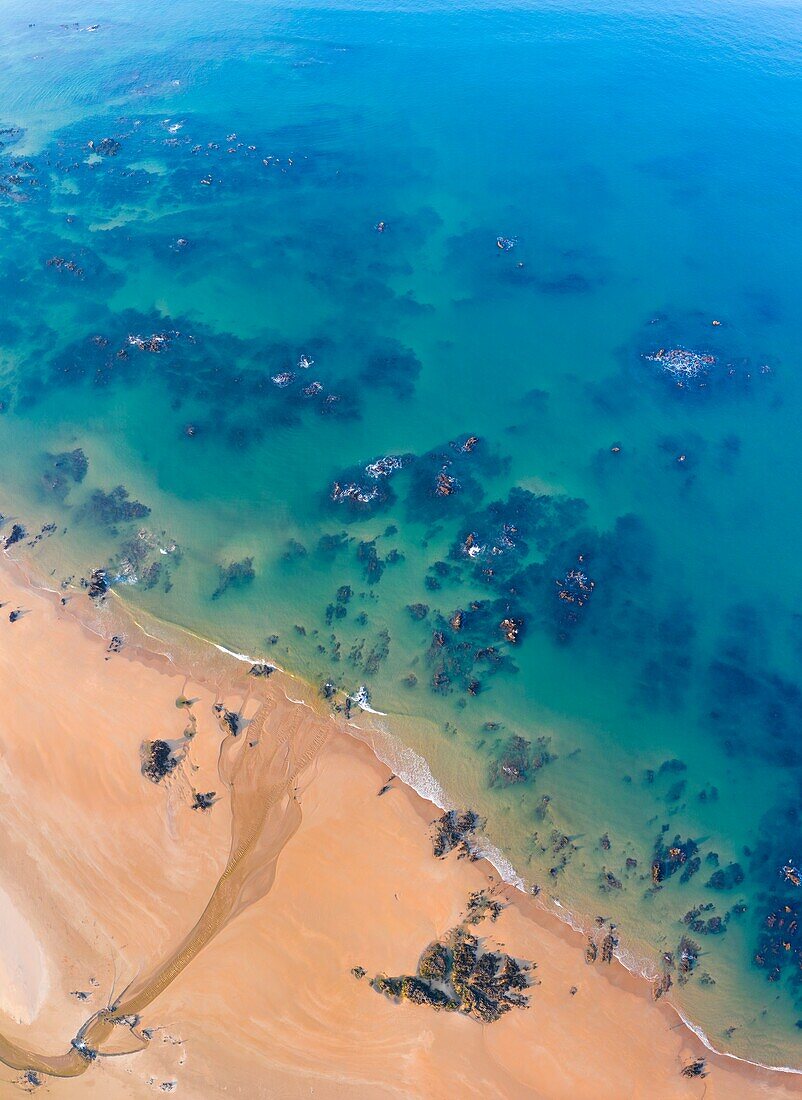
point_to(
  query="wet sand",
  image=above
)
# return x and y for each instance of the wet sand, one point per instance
(107, 873)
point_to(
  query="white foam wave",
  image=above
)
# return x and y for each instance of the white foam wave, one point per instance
(700, 1035)
(244, 657)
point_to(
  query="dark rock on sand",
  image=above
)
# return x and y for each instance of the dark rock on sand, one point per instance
(227, 719)
(455, 831)
(262, 670)
(158, 760)
(17, 534)
(458, 975)
(203, 801)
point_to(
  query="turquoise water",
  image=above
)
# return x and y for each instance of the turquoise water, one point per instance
(639, 165)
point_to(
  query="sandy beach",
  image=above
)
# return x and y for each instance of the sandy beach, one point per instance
(104, 874)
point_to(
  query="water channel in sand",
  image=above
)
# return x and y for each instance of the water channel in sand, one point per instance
(261, 767)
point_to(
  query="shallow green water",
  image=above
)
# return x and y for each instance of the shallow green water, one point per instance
(643, 162)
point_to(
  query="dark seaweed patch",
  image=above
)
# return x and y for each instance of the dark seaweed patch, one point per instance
(330, 545)
(517, 760)
(17, 534)
(393, 367)
(237, 574)
(63, 468)
(464, 640)
(113, 507)
(726, 878)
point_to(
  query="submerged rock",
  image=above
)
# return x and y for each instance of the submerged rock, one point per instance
(725, 878)
(106, 147)
(17, 534)
(113, 507)
(517, 760)
(237, 574)
(64, 467)
(668, 859)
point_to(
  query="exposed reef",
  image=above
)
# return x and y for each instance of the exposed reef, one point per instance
(458, 974)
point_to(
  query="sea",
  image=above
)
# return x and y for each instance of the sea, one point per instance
(446, 355)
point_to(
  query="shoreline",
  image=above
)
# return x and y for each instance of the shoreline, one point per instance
(546, 921)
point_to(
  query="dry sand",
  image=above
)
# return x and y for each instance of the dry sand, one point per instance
(103, 873)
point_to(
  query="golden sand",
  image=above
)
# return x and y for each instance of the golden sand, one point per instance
(107, 888)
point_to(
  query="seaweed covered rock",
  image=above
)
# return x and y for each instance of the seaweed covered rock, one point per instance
(203, 801)
(687, 955)
(455, 831)
(464, 953)
(372, 564)
(667, 859)
(609, 944)
(481, 905)
(158, 760)
(443, 477)
(419, 992)
(662, 986)
(261, 670)
(696, 1068)
(435, 963)
(462, 640)
(458, 975)
(576, 588)
(710, 926)
(377, 654)
(98, 584)
(390, 987)
(498, 539)
(106, 147)
(229, 721)
(489, 983)
(366, 489)
(517, 760)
